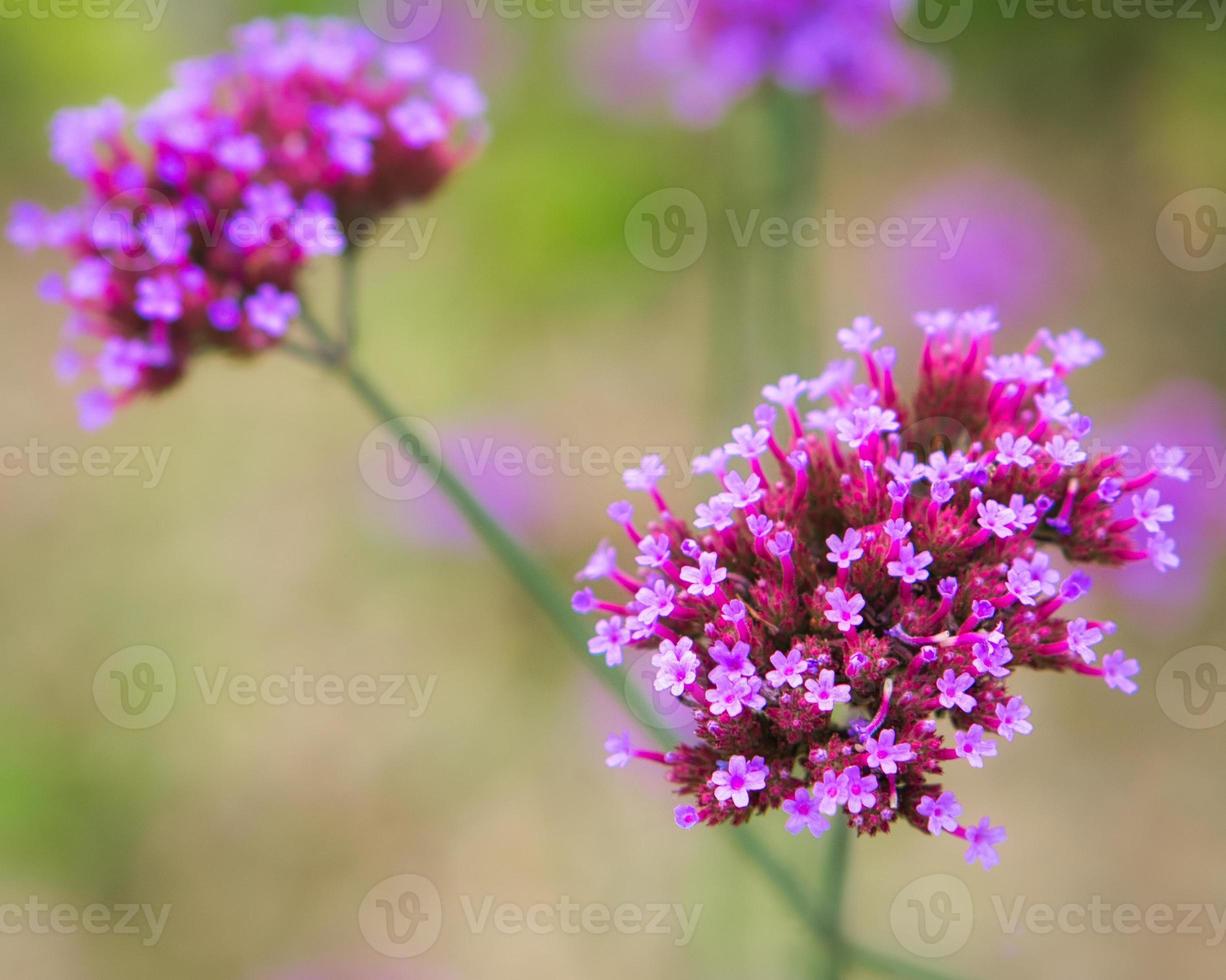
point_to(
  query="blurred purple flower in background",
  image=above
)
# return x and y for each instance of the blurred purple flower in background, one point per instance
(1010, 245)
(1190, 414)
(200, 212)
(705, 56)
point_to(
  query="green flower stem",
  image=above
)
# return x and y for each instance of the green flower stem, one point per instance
(787, 332)
(834, 887)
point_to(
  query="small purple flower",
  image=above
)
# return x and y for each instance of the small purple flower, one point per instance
(242, 153)
(897, 529)
(860, 795)
(1014, 451)
(602, 563)
(716, 513)
(803, 814)
(656, 601)
(1082, 638)
(942, 813)
(910, 567)
(953, 690)
(1150, 513)
(612, 635)
(654, 550)
(739, 780)
(1012, 715)
(945, 469)
(732, 662)
(745, 492)
(734, 693)
(845, 550)
(863, 423)
(825, 693)
(1021, 583)
(789, 668)
(861, 337)
(787, 391)
(991, 654)
(418, 123)
(1065, 452)
(620, 752)
(844, 612)
(159, 298)
(271, 310)
(832, 792)
(705, 579)
(685, 816)
(677, 666)
(1117, 672)
(1161, 551)
(225, 314)
(883, 754)
(972, 746)
(997, 518)
(748, 443)
(983, 839)
(647, 475)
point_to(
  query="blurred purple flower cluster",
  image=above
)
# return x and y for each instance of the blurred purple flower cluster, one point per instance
(194, 228)
(706, 55)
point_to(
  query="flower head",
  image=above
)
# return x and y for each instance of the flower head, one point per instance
(200, 212)
(824, 628)
(707, 56)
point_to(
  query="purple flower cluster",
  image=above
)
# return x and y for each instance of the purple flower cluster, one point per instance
(711, 54)
(199, 213)
(846, 627)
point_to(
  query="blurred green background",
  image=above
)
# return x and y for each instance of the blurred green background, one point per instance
(528, 322)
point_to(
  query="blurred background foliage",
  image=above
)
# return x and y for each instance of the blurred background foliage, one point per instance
(261, 550)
